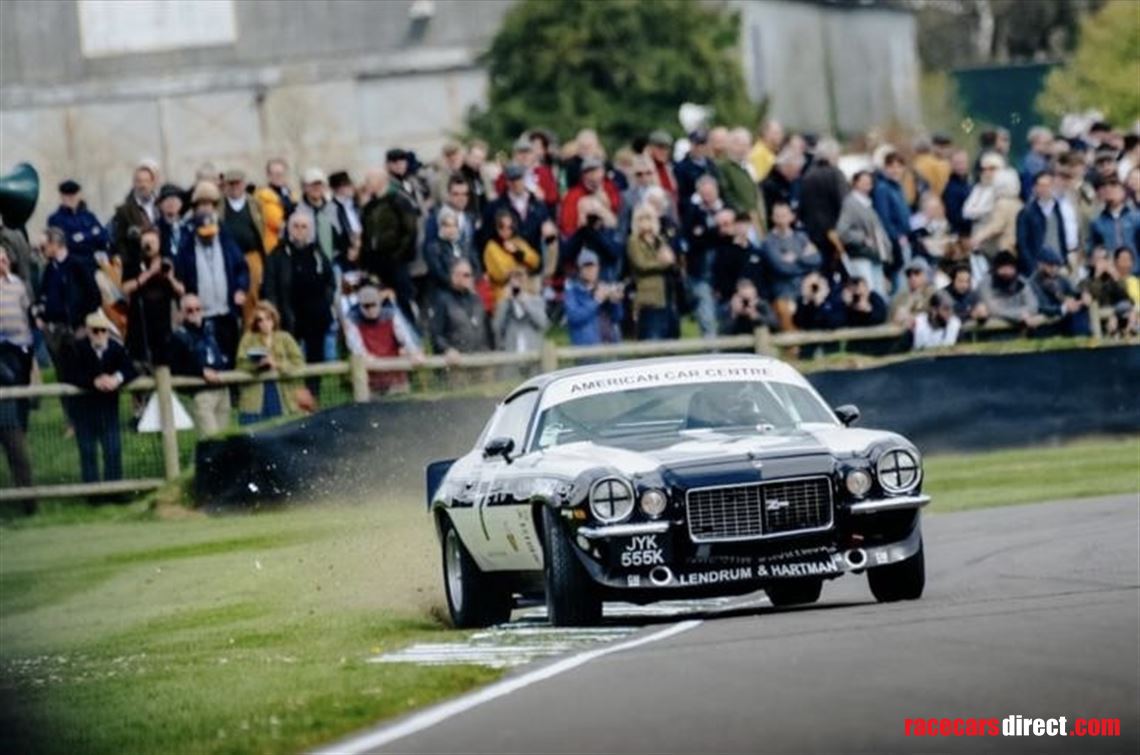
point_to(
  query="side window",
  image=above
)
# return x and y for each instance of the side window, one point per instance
(514, 419)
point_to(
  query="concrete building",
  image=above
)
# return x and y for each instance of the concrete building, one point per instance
(89, 87)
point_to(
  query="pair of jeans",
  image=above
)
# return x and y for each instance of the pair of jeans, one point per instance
(705, 310)
(97, 424)
(656, 324)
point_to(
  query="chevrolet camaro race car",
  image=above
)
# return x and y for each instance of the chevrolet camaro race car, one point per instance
(673, 478)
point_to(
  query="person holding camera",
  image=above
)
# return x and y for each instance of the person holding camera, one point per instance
(520, 319)
(654, 266)
(504, 252)
(820, 306)
(594, 236)
(937, 326)
(747, 311)
(594, 309)
(266, 348)
(152, 289)
(864, 306)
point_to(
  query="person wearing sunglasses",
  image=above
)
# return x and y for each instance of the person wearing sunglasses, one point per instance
(102, 367)
(267, 348)
(376, 327)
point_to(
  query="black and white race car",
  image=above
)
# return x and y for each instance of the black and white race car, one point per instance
(673, 478)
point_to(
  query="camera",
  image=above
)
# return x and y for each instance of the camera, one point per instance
(167, 267)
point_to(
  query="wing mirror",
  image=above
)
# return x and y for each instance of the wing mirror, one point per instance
(848, 414)
(501, 446)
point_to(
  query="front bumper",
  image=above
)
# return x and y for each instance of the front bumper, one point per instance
(658, 556)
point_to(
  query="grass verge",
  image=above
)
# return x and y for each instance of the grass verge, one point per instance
(126, 631)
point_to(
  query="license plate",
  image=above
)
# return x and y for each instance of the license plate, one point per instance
(640, 551)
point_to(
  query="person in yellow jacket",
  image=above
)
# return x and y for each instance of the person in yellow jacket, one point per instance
(266, 348)
(505, 251)
(275, 201)
(763, 154)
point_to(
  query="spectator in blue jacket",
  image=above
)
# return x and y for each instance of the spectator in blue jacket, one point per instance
(787, 256)
(1038, 158)
(211, 266)
(1040, 224)
(890, 205)
(956, 191)
(85, 234)
(1118, 225)
(593, 307)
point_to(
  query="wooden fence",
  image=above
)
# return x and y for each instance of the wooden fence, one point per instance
(547, 359)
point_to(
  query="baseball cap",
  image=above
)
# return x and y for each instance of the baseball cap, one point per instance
(699, 136)
(514, 172)
(70, 186)
(592, 163)
(368, 295)
(1050, 256)
(660, 138)
(918, 264)
(523, 145)
(587, 257)
(313, 176)
(395, 154)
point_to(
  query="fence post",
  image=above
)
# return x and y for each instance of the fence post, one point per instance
(549, 359)
(1094, 321)
(165, 391)
(763, 340)
(359, 371)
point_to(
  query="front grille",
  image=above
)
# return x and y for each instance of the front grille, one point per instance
(758, 510)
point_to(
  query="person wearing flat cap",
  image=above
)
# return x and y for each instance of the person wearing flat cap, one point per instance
(241, 218)
(659, 151)
(330, 236)
(210, 265)
(915, 297)
(85, 234)
(101, 367)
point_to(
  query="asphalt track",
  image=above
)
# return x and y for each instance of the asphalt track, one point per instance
(1031, 610)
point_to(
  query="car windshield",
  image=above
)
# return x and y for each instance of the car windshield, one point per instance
(627, 417)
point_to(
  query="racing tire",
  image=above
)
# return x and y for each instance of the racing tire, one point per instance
(572, 599)
(902, 581)
(474, 597)
(794, 591)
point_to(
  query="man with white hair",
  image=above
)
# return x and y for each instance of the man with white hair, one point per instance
(738, 186)
(783, 182)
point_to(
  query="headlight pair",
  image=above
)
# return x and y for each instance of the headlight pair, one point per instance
(612, 500)
(898, 471)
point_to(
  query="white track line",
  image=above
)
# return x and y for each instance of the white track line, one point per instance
(440, 713)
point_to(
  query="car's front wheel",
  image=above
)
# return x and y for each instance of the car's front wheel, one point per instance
(474, 598)
(572, 599)
(794, 591)
(902, 581)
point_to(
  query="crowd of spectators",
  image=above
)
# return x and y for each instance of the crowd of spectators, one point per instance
(469, 253)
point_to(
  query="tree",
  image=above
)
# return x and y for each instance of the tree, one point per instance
(1104, 73)
(622, 67)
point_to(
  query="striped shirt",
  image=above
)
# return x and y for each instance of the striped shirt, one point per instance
(14, 325)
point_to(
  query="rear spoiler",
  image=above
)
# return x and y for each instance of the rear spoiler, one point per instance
(435, 472)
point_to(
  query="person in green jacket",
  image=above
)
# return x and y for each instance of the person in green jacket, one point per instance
(739, 188)
(265, 348)
(654, 267)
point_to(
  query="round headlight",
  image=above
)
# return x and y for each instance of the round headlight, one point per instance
(611, 500)
(653, 503)
(858, 482)
(898, 471)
